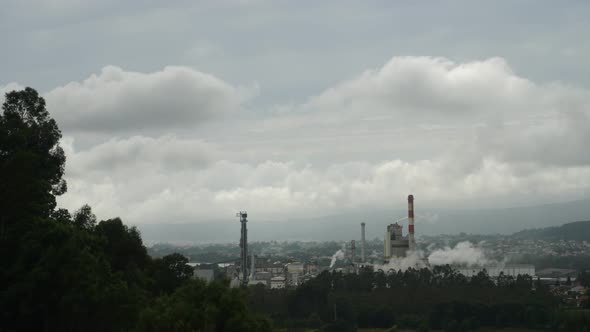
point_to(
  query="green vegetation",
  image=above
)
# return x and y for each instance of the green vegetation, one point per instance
(63, 272)
(439, 299)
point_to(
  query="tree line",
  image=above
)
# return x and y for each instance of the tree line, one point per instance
(66, 271)
(438, 298)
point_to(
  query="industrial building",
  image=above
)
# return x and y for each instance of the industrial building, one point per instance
(253, 271)
(396, 244)
(494, 270)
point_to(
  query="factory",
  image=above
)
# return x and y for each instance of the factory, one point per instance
(495, 271)
(399, 252)
(397, 245)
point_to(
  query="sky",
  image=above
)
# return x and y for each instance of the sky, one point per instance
(189, 111)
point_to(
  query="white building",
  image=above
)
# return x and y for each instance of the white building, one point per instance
(277, 283)
(296, 267)
(495, 270)
(204, 274)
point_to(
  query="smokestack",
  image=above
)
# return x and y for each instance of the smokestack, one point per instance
(353, 254)
(412, 242)
(244, 247)
(252, 267)
(363, 258)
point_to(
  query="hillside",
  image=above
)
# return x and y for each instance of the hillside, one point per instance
(579, 231)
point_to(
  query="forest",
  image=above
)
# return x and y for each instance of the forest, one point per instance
(67, 271)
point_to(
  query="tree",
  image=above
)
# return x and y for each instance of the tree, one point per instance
(338, 326)
(123, 248)
(84, 218)
(31, 171)
(31, 160)
(197, 306)
(169, 272)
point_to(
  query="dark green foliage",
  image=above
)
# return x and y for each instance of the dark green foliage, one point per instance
(414, 299)
(338, 326)
(84, 218)
(31, 160)
(584, 278)
(122, 246)
(200, 307)
(169, 272)
(67, 273)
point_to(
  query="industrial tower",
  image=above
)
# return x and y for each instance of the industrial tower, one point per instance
(243, 247)
(396, 244)
(411, 223)
(363, 258)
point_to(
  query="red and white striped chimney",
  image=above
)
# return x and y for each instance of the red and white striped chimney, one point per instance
(412, 242)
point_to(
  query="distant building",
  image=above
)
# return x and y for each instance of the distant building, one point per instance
(234, 283)
(264, 276)
(495, 270)
(277, 282)
(204, 274)
(296, 267)
(312, 268)
(254, 282)
(272, 268)
(395, 244)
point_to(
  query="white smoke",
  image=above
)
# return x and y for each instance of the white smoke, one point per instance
(413, 259)
(464, 253)
(428, 218)
(338, 255)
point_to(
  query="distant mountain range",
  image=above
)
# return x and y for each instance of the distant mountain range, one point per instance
(578, 231)
(346, 226)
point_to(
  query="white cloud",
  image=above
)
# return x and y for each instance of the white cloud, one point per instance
(430, 89)
(116, 100)
(449, 133)
(146, 190)
(8, 88)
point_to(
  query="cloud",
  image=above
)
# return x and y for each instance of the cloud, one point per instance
(482, 107)
(124, 157)
(427, 89)
(451, 133)
(146, 188)
(557, 141)
(8, 88)
(116, 100)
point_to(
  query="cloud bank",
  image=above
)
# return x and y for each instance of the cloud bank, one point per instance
(451, 133)
(116, 100)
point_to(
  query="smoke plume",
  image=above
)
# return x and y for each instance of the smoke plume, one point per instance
(414, 259)
(338, 255)
(464, 253)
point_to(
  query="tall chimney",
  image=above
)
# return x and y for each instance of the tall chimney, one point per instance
(252, 267)
(353, 254)
(412, 243)
(363, 258)
(243, 247)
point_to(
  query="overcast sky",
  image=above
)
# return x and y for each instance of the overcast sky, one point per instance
(186, 111)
